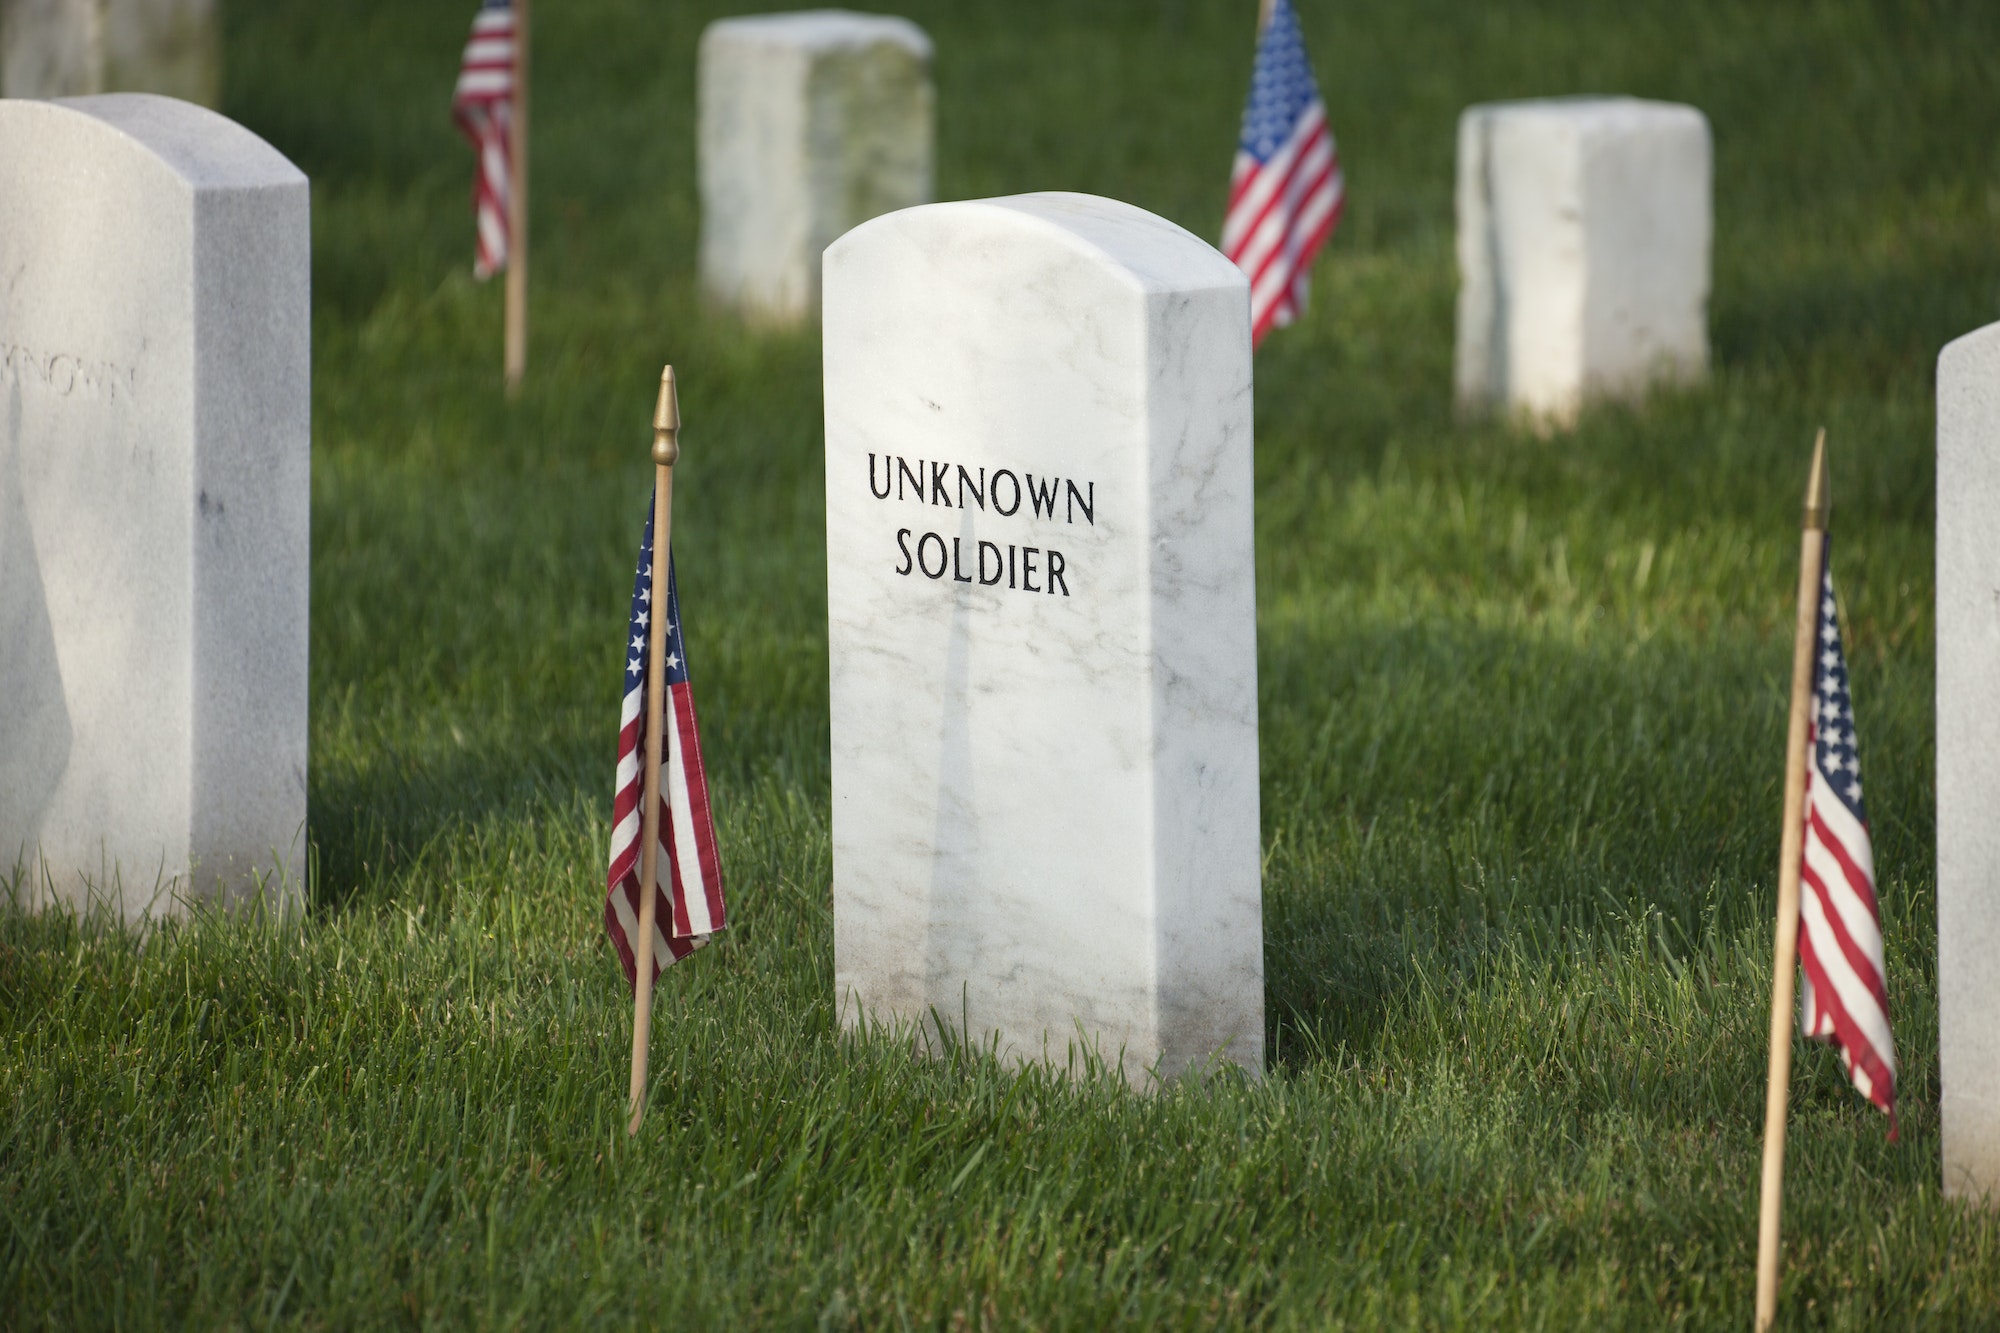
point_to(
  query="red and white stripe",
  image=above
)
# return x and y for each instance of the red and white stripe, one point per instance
(689, 875)
(688, 907)
(1280, 213)
(483, 106)
(1845, 998)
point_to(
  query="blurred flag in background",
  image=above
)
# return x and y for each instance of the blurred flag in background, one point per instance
(1286, 190)
(483, 106)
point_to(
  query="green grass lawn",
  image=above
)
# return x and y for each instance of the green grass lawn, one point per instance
(1522, 707)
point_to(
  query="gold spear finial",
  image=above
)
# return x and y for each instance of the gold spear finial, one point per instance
(1818, 500)
(667, 422)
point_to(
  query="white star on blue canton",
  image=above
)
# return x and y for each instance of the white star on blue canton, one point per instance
(1281, 86)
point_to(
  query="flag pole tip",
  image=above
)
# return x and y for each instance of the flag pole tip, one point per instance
(1819, 500)
(667, 422)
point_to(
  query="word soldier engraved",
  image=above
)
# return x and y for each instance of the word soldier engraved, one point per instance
(1041, 612)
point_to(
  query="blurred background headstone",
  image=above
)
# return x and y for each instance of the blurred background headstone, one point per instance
(1584, 227)
(72, 48)
(811, 124)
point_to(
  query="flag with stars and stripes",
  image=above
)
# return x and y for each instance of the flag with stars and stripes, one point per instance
(1844, 997)
(1286, 191)
(483, 106)
(688, 884)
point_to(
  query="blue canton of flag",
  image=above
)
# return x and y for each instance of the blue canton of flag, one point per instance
(1834, 752)
(637, 646)
(1281, 87)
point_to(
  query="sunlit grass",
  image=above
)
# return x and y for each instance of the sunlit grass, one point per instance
(1521, 708)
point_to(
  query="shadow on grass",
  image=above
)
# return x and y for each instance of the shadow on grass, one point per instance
(388, 831)
(1443, 795)
(1863, 324)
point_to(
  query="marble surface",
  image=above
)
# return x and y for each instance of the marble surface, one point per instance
(1584, 231)
(154, 487)
(1968, 759)
(810, 123)
(1043, 653)
(69, 48)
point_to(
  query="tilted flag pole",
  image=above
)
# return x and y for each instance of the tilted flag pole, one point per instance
(1828, 912)
(516, 336)
(1784, 962)
(662, 830)
(666, 452)
(490, 104)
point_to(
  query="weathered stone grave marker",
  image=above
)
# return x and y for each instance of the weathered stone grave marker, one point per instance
(68, 48)
(1584, 227)
(811, 123)
(154, 441)
(1041, 607)
(1968, 759)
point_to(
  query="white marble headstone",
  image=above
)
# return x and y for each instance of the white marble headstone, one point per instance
(810, 123)
(154, 504)
(1968, 760)
(69, 48)
(1042, 626)
(1584, 229)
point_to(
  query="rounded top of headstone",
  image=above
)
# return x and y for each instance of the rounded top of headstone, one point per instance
(820, 30)
(1982, 345)
(1145, 251)
(203, 149)
(1590, 110)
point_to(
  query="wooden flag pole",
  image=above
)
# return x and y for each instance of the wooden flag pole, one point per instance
(666, 451)
(1784, 962)
(516, 352)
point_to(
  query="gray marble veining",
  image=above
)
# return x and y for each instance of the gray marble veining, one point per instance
(1041, 606)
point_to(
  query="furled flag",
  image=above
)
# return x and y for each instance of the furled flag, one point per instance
(1844, 1000)
(688, 883)
(1285, 191)
(483, 106)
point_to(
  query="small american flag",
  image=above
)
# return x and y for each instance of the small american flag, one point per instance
(483, 106)
(1285, 191)
(1844, 999)
(688, 908)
